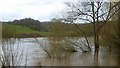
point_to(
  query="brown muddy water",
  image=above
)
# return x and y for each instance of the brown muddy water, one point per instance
(46, 51)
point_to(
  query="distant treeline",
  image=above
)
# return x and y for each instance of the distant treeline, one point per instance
(31, 23)
(57, 26)
(45, 26)
(53, 28)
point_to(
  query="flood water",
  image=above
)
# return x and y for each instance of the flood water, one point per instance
(46, 51)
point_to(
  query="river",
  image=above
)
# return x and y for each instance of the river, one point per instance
(46, 51)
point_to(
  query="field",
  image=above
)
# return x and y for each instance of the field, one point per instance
(10, 30)
(18, 31)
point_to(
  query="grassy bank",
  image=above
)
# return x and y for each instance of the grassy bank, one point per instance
(24, 32)
(10, 31)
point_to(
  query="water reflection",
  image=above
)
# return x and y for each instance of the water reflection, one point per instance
(57, 52)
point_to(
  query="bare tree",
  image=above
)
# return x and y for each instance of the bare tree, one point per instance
(8, 55)
(93, 12)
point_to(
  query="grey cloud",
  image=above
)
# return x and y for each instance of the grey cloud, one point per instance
(37, 9)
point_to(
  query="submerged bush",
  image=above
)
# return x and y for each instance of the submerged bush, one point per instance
(57, 48)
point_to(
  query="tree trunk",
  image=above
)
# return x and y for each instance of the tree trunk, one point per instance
(96, 53)
(96, 36)
(118, 46)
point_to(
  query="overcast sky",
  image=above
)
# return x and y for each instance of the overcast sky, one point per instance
(42, 10)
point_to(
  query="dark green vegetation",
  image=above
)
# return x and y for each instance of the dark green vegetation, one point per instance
(31, 23)
(24, 29)
(17, 31)
(9, 31)
(31, 28)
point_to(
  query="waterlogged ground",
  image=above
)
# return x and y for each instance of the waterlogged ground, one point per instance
(49, 52)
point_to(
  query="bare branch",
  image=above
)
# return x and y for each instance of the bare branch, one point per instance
(109, 16)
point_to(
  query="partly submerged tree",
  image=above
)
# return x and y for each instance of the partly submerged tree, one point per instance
(91, 12)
